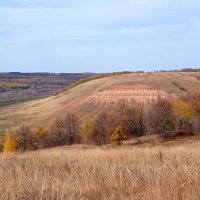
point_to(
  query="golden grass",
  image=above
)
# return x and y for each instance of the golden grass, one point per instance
(156, 173)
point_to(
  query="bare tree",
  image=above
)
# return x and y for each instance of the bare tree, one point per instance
(24, 138)
(100, 129)
(57, 132)
(134, 122)
(161, 118)
(71, 126)
(196, 126)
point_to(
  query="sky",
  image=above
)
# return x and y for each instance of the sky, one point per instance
(99, 35)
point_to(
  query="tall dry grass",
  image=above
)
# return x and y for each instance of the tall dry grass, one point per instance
(116, 173)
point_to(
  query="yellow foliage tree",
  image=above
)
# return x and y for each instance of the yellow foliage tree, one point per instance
(185, 114)
(118, 135)
(9, 144)
(40, 137)
(183, 110)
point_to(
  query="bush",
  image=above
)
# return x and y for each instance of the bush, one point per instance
(9, 144)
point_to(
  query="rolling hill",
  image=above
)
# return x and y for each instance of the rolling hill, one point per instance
(88, 99)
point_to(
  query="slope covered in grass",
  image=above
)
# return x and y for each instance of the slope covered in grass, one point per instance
(78, 99)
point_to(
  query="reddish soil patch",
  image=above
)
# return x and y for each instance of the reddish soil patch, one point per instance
(141, 93)
(132, 86)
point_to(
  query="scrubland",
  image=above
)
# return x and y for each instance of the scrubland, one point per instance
(83, 172)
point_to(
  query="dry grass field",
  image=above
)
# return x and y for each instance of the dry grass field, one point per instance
(83, 172)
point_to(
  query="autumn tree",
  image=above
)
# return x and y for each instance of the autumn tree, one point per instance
(184, 114)
(130, 118)
(9, 144)
(24, 138)
(196, 106)
(118, 135)
(57, 132)
(65, 131)
(101, 135)
(195, 100)
(161, 118)
(71, 127)
(87, 132)
(41, 137)
(134, 122)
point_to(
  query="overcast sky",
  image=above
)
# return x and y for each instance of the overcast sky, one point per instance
(99, 35)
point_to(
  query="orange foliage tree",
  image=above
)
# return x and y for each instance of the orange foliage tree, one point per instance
(9, 144)
(118, 135)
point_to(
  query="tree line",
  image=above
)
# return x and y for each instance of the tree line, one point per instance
(164, 117)
(62, 132)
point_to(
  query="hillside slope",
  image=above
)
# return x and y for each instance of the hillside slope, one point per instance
(88, 98)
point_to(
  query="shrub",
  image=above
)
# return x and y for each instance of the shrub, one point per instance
(118, 135)
(9, 144)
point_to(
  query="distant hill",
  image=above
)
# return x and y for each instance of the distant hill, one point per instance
(88, 99)
(18, 87)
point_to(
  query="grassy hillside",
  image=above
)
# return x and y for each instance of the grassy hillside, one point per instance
(45, 111)
(87, 172)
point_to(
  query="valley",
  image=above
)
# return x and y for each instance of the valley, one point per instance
(16, 87)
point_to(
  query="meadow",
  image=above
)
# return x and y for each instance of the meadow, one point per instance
(84, 172)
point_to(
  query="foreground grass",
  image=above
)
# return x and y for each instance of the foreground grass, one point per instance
(95, 173)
